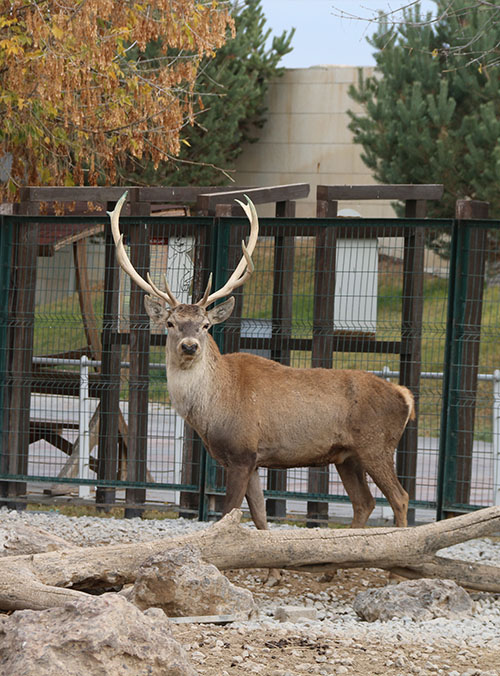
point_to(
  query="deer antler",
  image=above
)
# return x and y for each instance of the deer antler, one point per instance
(126, 265)
(242, 272)
(245, 267)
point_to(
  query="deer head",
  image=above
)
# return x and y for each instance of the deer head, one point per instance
(188, 324)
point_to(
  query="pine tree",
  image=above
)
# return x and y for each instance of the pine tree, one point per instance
(430, 114)
(231, 107)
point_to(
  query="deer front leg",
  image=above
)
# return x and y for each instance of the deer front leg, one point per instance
(257, 505)
(237, 480)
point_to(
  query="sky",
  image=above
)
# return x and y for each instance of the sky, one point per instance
(322, 35)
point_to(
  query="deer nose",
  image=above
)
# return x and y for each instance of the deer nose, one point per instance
(189, 348)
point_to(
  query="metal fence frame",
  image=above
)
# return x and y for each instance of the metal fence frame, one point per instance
(461, 365)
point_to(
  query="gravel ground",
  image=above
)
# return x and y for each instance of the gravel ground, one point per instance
(337, 642)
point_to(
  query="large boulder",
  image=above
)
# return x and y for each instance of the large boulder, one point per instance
(182, 584)
(422, 599)
(93, 636)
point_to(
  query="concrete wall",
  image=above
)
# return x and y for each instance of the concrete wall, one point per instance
(306, 138)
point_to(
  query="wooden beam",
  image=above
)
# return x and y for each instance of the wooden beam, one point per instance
(104, 194)
(402, 191)
(280, 193)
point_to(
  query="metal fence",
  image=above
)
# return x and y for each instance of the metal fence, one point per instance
(82, 383)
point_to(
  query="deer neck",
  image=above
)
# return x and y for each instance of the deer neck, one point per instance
(194, 388)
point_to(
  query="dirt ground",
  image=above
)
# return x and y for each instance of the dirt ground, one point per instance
(229, 651)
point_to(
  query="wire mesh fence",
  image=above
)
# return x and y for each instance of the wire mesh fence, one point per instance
(86, 402)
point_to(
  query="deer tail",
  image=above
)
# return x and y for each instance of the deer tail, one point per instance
(409, 401)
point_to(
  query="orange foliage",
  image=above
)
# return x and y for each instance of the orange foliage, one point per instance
(77, 93)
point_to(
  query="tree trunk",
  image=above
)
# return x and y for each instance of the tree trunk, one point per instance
(50, 579)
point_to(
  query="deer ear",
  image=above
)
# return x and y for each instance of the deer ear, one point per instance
(157, 310)
(221, 312)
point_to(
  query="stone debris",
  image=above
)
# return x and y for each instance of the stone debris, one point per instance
(295, 613)
(92, 636)
(180, 583)
(422, 599)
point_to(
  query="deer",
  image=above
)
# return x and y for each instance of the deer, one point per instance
(252, 412)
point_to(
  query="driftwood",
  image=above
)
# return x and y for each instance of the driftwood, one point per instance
(44, 580)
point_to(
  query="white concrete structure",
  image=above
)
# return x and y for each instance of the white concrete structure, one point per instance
(306, 138)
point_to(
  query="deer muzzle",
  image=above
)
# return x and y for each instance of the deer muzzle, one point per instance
(189, 348)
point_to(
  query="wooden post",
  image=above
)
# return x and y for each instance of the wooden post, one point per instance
(232, 327)
(284, 253)
(139, 362)
(322, 346)
(411, 345)
(20, 356)
(193, 457)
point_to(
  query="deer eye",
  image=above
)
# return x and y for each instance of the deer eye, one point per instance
(206, 326)
(170, 325)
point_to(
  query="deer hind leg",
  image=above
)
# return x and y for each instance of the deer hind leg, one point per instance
(381, 469)
(256, 502)
(354, 479)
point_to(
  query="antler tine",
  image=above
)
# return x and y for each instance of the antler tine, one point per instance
(203, 301)
(245, 267)
(167, 294)
(124, 261)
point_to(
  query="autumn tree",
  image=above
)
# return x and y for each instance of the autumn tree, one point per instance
(231, 108)
(430, 114)
(77, 93)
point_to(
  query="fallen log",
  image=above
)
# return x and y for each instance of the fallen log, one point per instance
(49, 579)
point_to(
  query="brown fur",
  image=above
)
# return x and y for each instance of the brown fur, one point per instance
(253, 412)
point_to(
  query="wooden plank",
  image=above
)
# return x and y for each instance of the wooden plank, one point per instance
(104, 194)
(192, 452)
(182, 194)
(53, 237)
(400, 191)
(85, 298)
(237, 233)
(74, 193)
(284, 254)
(20, 355)
(206, 203)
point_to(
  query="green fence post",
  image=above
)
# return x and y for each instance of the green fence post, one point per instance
(462, 355)
(5, 263)
(139, 347)
(444, 476)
